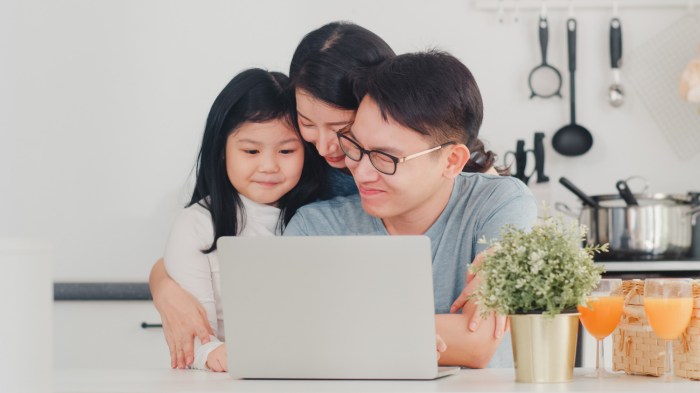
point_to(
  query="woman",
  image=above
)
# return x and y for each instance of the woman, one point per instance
(321, 73)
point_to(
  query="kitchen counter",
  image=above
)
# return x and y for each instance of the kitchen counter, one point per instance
(141, 291)
(101, 291)
(651, 266)
(487, 380)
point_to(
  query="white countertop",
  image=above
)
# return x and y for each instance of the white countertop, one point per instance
(487, 380)
(650, 266)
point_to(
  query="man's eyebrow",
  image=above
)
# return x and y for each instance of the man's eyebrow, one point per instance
(384, 149)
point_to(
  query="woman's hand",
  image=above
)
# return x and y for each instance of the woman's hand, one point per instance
(470, 308)
(440, 345)
(216, 361)
(182, 315)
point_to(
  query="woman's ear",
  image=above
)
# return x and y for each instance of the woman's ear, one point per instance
(457, 157)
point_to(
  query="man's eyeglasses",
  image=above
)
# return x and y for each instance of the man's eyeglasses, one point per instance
(383, 162)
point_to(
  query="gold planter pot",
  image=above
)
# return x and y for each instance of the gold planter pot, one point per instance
(544, 348)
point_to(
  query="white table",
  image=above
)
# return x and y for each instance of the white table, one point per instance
(487, 380)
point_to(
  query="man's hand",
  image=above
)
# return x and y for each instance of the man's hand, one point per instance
(440, 345)
(470, 307)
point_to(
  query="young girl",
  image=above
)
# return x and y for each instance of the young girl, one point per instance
(253, 172)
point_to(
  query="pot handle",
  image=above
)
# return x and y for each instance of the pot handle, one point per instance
(694, 214)
(564, 208)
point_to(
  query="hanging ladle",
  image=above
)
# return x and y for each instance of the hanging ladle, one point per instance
(572, 139)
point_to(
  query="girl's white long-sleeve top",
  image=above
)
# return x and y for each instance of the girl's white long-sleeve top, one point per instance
(198, 273)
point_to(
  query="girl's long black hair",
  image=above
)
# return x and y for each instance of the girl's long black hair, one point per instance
(254, 95)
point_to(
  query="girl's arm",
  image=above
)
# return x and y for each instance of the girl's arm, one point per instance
(182, 316)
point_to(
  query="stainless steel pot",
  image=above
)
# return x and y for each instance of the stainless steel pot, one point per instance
(658, 228)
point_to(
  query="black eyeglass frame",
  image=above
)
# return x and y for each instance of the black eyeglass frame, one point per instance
(372, 153)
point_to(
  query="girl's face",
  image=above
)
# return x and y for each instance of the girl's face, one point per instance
(264, 160)
(319, 122)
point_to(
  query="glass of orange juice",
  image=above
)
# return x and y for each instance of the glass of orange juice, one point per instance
(668, 304)
(600, 317)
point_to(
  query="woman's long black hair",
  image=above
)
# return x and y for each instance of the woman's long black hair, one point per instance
(329, 58)
(254, 95)
(326, 57)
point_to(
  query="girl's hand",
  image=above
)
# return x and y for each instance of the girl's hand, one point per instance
(216, 361)
(182, 315)
(440, 345)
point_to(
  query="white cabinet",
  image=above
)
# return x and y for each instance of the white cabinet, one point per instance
(108, 334)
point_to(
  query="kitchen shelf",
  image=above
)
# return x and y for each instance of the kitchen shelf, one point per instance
(508, 5)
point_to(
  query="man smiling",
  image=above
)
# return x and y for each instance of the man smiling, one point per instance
(406, 150)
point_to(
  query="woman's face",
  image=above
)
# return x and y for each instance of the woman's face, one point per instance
(264, 160)
(319, 123)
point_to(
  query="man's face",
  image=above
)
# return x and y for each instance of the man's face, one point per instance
(414, 188)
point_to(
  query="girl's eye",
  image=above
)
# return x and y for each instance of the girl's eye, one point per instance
(287, 151)
(251, 151)
(306, 125)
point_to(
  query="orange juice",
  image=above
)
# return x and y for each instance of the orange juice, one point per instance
(602, 315)
(668, 316)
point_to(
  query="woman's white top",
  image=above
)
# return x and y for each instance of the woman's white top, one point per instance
(198, 273)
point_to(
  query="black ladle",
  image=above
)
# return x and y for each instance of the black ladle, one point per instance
(572, 139)
(587, 200)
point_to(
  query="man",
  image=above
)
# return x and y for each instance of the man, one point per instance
(406, 150)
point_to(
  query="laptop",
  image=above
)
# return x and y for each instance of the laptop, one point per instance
(340, 307)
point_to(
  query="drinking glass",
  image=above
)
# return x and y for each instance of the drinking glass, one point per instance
(668, 304)
(600, 317)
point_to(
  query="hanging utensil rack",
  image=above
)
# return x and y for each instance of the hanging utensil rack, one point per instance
(500, 5)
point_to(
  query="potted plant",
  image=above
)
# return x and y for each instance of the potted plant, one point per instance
(537, 278)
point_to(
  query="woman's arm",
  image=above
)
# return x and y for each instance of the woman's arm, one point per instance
(182, 315)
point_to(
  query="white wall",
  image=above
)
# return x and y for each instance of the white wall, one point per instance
(102, 105)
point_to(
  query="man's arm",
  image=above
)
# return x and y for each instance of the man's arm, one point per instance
(464, 347)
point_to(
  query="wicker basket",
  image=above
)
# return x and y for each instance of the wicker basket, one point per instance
(637, 350)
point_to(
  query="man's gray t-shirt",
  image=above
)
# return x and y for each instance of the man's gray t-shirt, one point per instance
(480, 205)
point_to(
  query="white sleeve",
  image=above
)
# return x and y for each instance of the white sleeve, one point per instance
(201, 352)
(190, 268)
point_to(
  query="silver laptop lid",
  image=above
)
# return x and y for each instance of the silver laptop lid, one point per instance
(355, 307)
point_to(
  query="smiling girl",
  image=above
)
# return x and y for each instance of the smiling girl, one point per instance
(253, 172)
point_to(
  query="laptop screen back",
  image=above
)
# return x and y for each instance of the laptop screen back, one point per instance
(357, 307)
